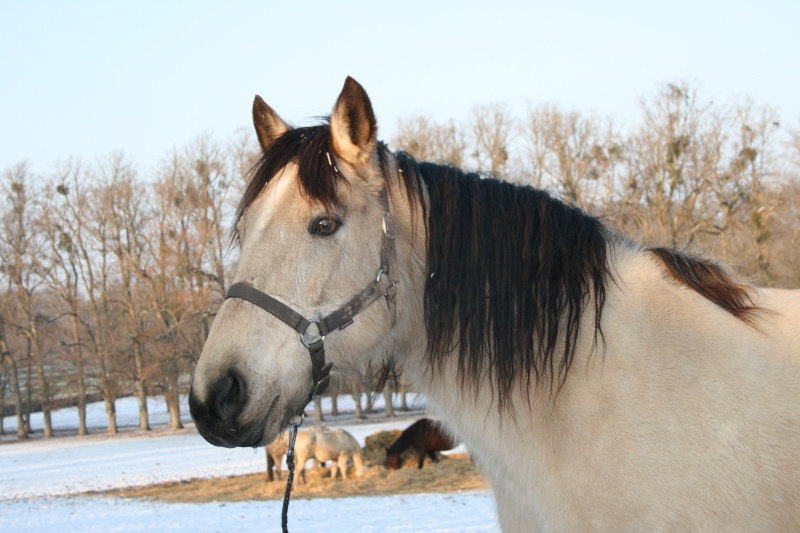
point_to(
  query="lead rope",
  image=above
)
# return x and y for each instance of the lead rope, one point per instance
(290, 479)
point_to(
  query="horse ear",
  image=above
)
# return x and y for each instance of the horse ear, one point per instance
(354, 130)
(269, 126)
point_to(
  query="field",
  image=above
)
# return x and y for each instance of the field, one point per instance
(169, 481)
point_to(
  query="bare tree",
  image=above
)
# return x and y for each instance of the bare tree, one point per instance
(125, 201)
(757, 128)
(427, 140)
(170, 298)
(244, 152)
(86, 225)
(20, 256)
(668, 159)
(492, 128)
(577, 155)
(63, 272)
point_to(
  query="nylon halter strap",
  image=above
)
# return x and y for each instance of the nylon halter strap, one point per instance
(384, 285)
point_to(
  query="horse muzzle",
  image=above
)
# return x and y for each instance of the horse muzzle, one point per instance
(220, 415)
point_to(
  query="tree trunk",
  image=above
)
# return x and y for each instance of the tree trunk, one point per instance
(371, 394)
(141, 385)
(172, 397)
(111, 413)
(76, 338)
(387, 398)
(141, 390)
(28, 391)
(357, 399)
(44, 392)
(334, 399)
(318, 409)
(403, 399)
(21, 433)
(109, 399)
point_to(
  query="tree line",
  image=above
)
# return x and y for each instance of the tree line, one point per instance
(689, 173)
(111, 277)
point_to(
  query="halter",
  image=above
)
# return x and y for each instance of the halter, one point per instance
(385, 285)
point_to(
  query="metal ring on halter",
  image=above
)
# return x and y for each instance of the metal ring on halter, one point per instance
(308, 339)
(297, 420)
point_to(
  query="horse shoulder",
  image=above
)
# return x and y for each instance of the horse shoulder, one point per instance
(349, 442)
(304, 442)
(677, 381)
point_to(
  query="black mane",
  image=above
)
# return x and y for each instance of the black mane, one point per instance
(510, 272)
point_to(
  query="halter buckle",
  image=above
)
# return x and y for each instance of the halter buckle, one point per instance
(388, 225)
(309, 339)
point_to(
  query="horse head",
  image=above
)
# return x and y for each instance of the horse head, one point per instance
(316, 228)
(393, 460)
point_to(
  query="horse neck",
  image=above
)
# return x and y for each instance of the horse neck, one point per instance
(401, 444)
(409, 206)
(503, 261)
(469, 403)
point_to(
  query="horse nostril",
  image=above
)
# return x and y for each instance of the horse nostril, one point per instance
(229, 397)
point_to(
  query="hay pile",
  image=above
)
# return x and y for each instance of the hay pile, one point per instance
(451, 474)
(375, 450)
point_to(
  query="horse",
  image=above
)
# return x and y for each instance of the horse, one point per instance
(278, 448)
(337, 446)
(601, 385)
(425, 436)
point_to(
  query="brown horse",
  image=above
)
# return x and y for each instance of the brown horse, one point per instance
(425, 436)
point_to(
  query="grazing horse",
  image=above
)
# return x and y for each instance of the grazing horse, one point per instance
(279, 447)
(425, 436)
(600, 384)
(337, 446)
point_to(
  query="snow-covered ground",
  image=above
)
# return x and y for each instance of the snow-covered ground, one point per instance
(39, 477)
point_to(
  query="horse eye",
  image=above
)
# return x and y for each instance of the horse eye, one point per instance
(324, 226)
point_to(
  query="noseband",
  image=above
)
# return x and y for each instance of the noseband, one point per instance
(384, 285)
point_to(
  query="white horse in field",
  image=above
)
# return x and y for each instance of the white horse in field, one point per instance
(336, 445)
(601, 385)
(278, 448)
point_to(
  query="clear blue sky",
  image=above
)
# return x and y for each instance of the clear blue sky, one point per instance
(82, 79)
